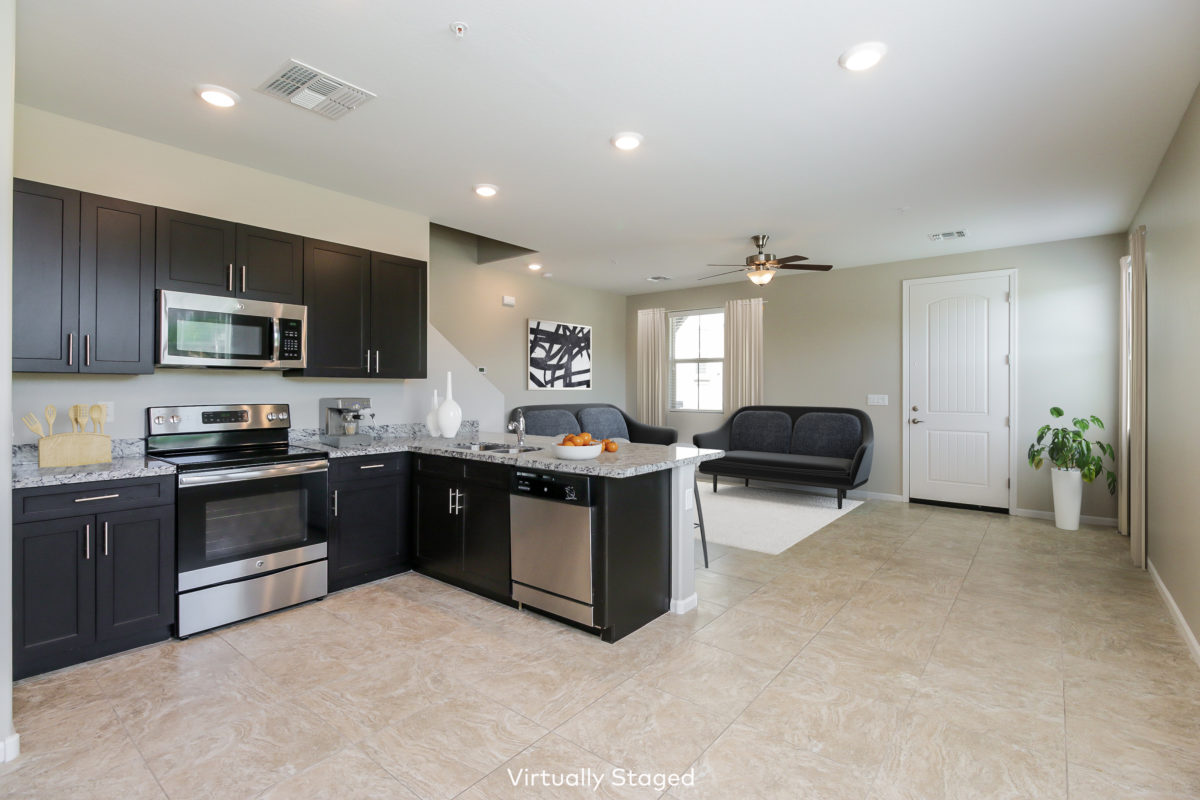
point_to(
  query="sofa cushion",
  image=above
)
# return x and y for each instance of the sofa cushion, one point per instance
(824, 433)
(817, 465)
(603, 423)
(550, 422)
(763, 431)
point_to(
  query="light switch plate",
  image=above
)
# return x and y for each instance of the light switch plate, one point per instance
(508, 300)
(877, 399)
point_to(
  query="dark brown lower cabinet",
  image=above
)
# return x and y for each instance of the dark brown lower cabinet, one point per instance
(88, 586)
(368, 519)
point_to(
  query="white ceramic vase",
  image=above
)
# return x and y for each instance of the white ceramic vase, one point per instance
(449, 414)
(1067, 485)
(431, 419)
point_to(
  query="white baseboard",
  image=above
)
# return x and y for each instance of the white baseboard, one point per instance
(10, 747)
(1109, 522)
(1186, 632)
(686, 605)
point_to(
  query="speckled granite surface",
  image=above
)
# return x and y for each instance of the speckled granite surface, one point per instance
(380, 433)
(630, 460)
(27, 475)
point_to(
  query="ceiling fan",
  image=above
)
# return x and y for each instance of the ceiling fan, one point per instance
(760, 268)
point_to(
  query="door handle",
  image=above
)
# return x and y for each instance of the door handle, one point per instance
(229, 278)
(87, 349)
(335, 499)
(915, 421)
(368, 362)
(373, 466)
(376, 362)
(243, 278)
(87, 541)
(458, 507)
(450, 492)
(70, 349)
(106, 538)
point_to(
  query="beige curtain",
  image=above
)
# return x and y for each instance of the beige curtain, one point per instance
(1136, 525)
(652, 366)
(1122, 433)
(743, 384)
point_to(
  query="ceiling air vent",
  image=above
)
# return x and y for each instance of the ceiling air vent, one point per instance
(657, 278)
(319, 92)
(941, 237)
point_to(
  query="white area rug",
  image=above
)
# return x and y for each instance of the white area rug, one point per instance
(766, 520)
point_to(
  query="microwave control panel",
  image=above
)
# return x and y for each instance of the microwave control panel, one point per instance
(291, 347)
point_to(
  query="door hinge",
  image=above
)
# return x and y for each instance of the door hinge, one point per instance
(1008, 483)
(1006, 422)
(1007, 297)
(1006, 359)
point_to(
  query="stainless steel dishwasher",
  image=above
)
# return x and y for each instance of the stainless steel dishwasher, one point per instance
(553, 522)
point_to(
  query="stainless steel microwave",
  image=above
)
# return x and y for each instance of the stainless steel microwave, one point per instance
(200, 330)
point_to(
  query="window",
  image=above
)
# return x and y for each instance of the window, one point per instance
(697, 353)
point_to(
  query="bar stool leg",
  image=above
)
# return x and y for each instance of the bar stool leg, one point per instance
(700, 517)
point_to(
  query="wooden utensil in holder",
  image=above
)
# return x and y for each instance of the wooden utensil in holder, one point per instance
(74, 449)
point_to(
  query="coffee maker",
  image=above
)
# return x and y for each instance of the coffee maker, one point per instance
(343, 420)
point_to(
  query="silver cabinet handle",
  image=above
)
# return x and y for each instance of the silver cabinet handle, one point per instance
(243, 278)
(97, 497)
(457, 502)
(376, 362)
(373, 466)
(87, 541)
(451, 508)
(87, 349)
(368, 362)
(70, 349)
(229, 278)
(105, 538)
(335, 499)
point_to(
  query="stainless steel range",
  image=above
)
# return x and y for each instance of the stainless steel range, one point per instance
(250, 511)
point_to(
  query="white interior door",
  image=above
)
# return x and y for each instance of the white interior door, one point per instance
(958, 389)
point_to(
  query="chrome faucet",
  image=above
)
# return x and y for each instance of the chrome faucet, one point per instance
(518, 426)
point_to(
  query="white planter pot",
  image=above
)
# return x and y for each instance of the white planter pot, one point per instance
(449, 414)
(1067, 485)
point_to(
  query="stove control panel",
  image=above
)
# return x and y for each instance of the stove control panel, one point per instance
(205, 419)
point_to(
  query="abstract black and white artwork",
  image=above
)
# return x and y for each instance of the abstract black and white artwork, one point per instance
(560, 355)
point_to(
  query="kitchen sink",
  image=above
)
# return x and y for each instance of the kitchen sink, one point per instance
(512, 449)
(495, 447)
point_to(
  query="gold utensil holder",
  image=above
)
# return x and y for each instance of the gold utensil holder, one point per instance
(74, 449)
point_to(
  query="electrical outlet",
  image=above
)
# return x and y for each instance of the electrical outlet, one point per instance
(877, 399)
(481, 370)
(107, 405)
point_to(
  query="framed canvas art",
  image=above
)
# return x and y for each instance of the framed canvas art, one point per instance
(560, 355)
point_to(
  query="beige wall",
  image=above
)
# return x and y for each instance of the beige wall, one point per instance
(57, 150)
(832, 338)
(465, 304)
(1171, 213)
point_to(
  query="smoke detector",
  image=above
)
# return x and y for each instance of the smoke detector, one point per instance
(945, 235)
(315, 90)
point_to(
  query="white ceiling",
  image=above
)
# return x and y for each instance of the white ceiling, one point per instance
(1021, 120)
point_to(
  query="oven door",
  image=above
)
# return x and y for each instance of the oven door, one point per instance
(206, 331)
(233, 523)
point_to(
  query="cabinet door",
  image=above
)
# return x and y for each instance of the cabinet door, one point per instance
(337, 288)
(194, 253)
(116, 286)
(270, 265)
(135, 571)
(398, 316)
(486, 539)
(45, 278)
(439, 529)
(54, 590)
(369, 533)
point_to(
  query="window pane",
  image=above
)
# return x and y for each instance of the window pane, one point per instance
(686, 340)
(686, 387)
(708, 386)
(712, 335)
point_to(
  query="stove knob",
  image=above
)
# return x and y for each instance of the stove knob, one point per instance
(271, 416)
(176, 419)
(160, 419)
(283, 415)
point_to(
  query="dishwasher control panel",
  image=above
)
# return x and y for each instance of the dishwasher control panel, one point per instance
(572, 489)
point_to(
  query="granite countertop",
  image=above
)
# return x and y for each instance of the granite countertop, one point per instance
(28, 474)
(631, 459)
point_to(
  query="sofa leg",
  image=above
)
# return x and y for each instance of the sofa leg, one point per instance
(841, 494)
(747, 483)
(714, 484)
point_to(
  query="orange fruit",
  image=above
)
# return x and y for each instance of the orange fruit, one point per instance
(611, 447)
(584, 438)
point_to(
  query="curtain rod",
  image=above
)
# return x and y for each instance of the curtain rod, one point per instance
(710, 308)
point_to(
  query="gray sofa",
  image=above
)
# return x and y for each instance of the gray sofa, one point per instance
(601, 420)
(807, 445)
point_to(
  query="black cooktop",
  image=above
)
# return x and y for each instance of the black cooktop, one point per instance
(216, 459)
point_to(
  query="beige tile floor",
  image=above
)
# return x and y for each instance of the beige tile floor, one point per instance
(901, 652)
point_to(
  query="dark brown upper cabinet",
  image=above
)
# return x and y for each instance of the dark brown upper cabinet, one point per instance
(213, 256)
(366, 313)
(83, 282)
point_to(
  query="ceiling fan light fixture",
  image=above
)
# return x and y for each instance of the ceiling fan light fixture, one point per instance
(862, 57)
(761, 277)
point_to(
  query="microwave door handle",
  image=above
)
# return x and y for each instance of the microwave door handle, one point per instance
(275, 339)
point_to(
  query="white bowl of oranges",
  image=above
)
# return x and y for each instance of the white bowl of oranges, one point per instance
(581, 447)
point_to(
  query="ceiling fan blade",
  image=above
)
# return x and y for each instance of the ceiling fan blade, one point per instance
(790, 259)
(814, 267)
(743, 266)
(719, 274)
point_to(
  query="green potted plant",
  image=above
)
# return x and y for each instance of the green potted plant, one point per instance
(1073, 460)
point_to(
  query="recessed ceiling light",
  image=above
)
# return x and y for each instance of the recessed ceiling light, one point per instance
(627, 140)
(862, 56)
(217, 95)
(535, 267)
(486, 190)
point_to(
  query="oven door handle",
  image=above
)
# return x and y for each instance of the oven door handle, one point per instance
(238, 474)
